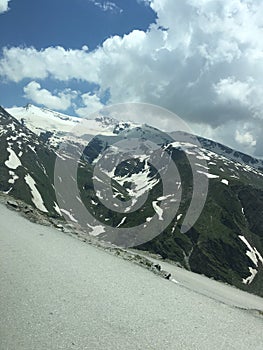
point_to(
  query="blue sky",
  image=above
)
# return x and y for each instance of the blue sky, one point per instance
(67, 23)
(201, 59)
(70, 23)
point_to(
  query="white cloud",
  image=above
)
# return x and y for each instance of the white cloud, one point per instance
(202, 60)
(245, 138)
(107, 6)
(61, 101)
(18, 63)
(4, 5)
(230, 89)
(91, 103)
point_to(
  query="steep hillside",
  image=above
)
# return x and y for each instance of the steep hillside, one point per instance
(148, 200)
(26, 165)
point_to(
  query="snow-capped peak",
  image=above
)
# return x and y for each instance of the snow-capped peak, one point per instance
(42, 119)
(61, 126)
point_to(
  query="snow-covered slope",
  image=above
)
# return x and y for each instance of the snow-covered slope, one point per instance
(58, 127)
(42, 119)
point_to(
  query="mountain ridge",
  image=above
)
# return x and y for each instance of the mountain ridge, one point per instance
(225, 243)
(71, 121)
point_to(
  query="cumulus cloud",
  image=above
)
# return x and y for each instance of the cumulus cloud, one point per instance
(245, 139)
(61, 101)
(91, 103)
(4, 5)
(202, 59)
(18, 63)
(230, 89)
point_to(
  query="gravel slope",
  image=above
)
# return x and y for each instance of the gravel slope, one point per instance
(219, 291)
(57, 292)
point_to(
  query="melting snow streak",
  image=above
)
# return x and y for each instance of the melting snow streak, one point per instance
(36, 196)
(254, 256)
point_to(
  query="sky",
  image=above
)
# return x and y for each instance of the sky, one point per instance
(201, 59)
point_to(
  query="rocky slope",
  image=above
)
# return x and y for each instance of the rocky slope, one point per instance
(226, 241)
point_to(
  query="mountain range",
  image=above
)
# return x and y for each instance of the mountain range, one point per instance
(39, 149)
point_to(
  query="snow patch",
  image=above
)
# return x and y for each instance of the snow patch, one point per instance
(210, 176)
(250, 278)
(179, 217)
(36, 196)
(98, 194)
(142, 182)
(164, 197)
(157, 209)
(122, 221)
(33, 148)
(13, 161)
(69, 215)
(96, 230)
(13, 178)
(202, 166)
(224, 181)
(203, 157)
(252, 253)
(254, 256)
(57, 209)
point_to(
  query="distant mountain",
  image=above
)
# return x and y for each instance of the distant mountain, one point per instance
(229, 153)
(225, 243)
(54, 127)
